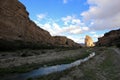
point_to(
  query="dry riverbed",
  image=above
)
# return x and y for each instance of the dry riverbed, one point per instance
(104, 66)
(26, 60)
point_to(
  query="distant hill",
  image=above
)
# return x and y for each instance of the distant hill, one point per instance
(82, 44)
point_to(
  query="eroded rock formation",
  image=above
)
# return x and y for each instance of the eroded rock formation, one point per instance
(18, 31)
(111, 38)
(89, 41)
(64, 41)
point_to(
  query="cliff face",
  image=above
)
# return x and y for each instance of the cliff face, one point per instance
(89, 41)
(111, 38)
(17, 30)
(15, 23)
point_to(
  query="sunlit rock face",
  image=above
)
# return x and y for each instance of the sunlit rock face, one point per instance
(89, 41)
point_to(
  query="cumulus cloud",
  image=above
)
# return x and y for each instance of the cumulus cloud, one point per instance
(71, 20)
(76, 31)
(71, 26)
(56, 29)
(76, 21)
(92, 32)
(103, 14)
(74, 25)
(67, 19)
(41, 16)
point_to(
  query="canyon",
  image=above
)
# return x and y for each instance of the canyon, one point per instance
(33, 47)
(18, 31)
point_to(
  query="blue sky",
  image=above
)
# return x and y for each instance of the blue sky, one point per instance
(75, 18)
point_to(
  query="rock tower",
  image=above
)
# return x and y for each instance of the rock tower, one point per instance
(89, 41)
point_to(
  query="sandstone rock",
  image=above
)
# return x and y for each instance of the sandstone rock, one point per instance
(111, 38)
(89, 41)
(18, 31)
(64, 41)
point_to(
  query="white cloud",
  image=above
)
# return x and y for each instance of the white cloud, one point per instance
(92, 32)
(73, 26)
(76, 31)
(72, 20)
(77, 39)
(104, 14)
(97, 35)
(41, 16)
(85, 28)
(65, 1)
(67, 19)
(76, 21)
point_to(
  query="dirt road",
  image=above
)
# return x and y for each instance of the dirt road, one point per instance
(117, 50)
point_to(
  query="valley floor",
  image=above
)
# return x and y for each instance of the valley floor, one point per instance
(43, 57)
(104, 66)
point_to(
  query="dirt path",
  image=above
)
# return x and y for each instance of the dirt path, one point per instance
(116, 50)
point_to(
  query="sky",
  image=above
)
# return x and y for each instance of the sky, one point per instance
(75, 18)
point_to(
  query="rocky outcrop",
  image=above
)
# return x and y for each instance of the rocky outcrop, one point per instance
(17, 30)
(111, 38)
(64, 41)
(89, 41)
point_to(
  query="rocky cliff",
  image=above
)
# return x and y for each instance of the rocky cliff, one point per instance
(18, 31)
(89, 41)
(111, 38)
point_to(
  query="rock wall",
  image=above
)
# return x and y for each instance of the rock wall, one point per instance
(17, 30)
(111, 38)
(89, 41)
